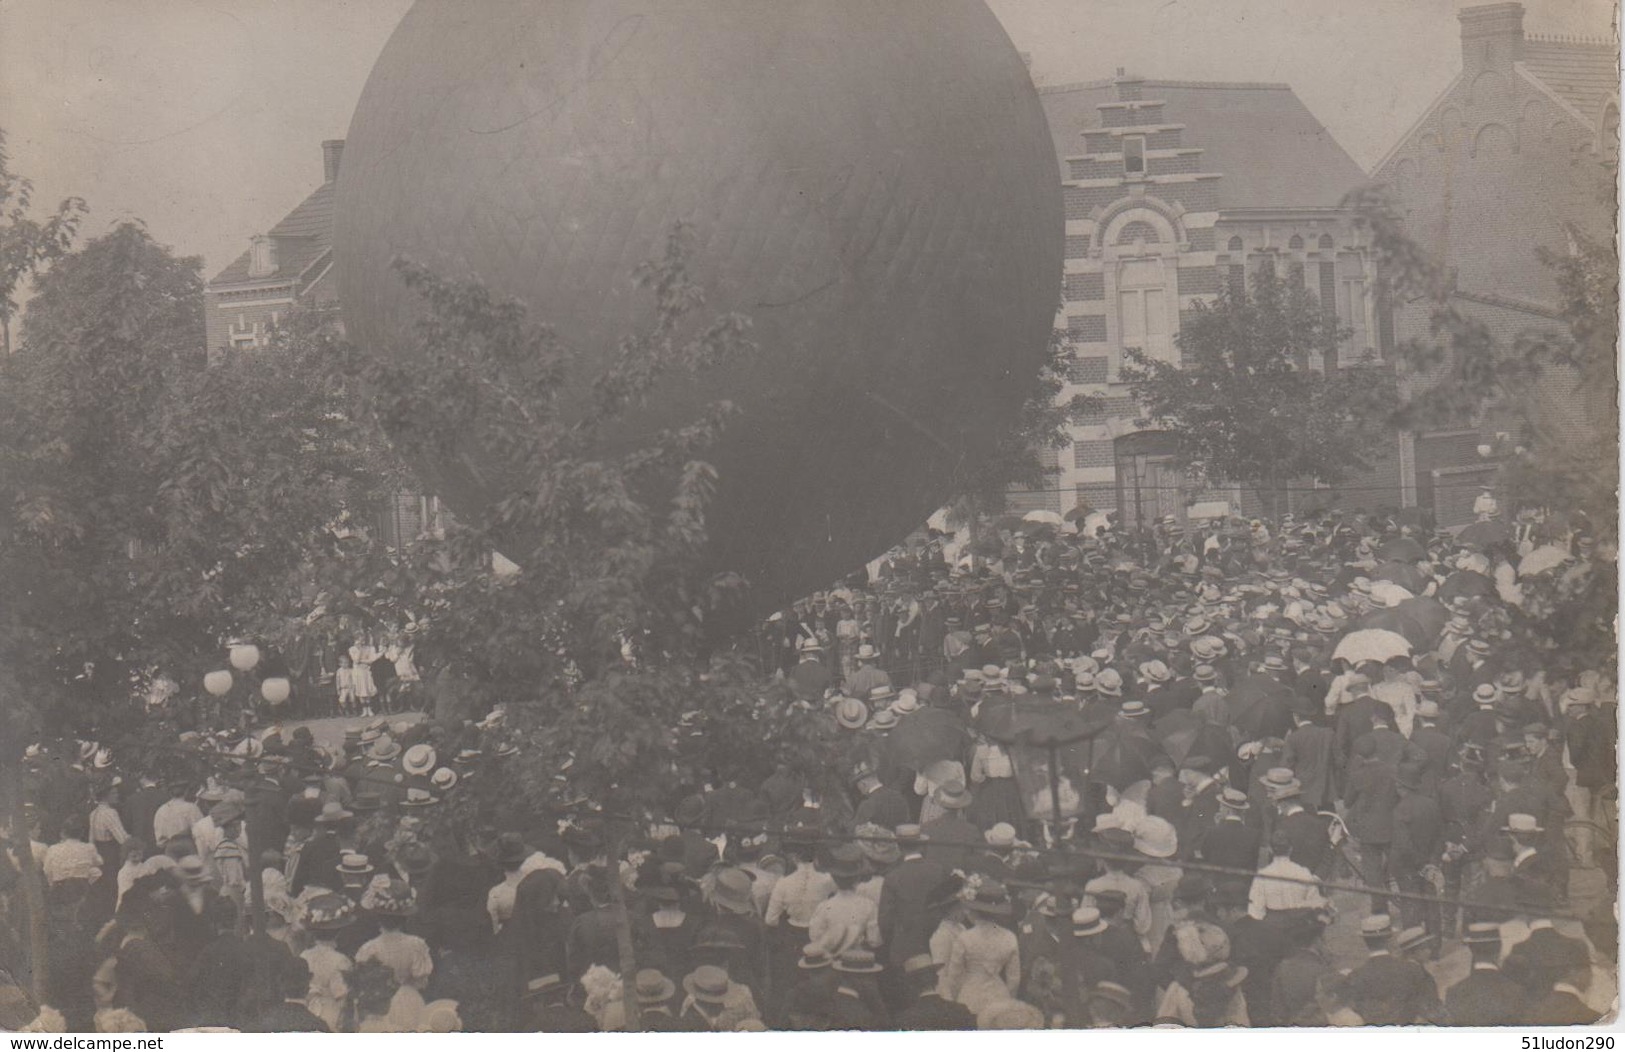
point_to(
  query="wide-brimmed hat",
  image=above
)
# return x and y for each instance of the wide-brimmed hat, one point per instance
(878, 844)
(225, 811)
(707, 983)
(806, 646)
(329, 913)
(867, 652)
(542, 984)
(1274, 662)
(414, 858)
(908, 700)
(444, 778)
(731, 891)
(332, 813)
(651, 987)
(1109, 683)
(1132, 709)
(1086, 920)
(389, 897)
(1482, 933)
(857, 962)
(990, 897)
(383, 749)
(510, 850)
(1204, 674)
(952, 797)
(909, 833)
(1155, 838)
(1235, 799)
(1414, 938)
(1155, 671)
(1486, 695)
(419, 759)
(851, 714)
(813, 958)
(1481, 647)
(920, 962)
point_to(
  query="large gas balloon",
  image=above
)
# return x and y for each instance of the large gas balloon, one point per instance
(873, 183)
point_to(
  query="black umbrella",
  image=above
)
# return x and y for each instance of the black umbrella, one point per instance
(1405, 575)
(1484, 534)
(924, 737)
(1466, 583)
(1402, 550)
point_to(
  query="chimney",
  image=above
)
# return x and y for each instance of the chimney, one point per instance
(1491, 37)
(332, 151)
(261, 256)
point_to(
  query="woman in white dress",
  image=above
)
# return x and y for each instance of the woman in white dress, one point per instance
(984, 962)
(362, 655)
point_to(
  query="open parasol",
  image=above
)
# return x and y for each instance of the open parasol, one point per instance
(1484, 534)
(1395, 620)
(925, 737)
(1050, 518)
(1372, 644)
(1466, 584)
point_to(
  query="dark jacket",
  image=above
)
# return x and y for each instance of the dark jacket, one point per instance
(885, 807)
(930, 1012)
(1232, 843)
(906, 923)
(1418, 834)
(1371, 795)
(1560, 1008)
(1387, 991)
(1486, 998)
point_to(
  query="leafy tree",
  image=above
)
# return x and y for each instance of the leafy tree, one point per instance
(153, 505)
(1243, 403)
(27, 245)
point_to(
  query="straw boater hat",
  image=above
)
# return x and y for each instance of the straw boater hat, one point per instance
(846, 860)
(884, 720)
(1109, 683)
(857, 962)
(879, 697)
(416, 797)
(192, 870)
(443, 778)
(1155, 838)
(907, 701)
(1086, 920)
(1522, 825)
(989, 897)
(653, 988)
(1485, 695)
(1155, 671)
(952, 797)
(383, 749)
(333, 813)
(1234, 799)
(1001, 837)
(707, 984)
(1376, 926)
(1280, 783)
(354, 864)
(731, 891)
(813, 958)
(851, 713)
(1133, 709)
(419, 759)
(867, 652)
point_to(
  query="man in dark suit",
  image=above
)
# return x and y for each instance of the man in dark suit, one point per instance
(881, 805)
(1353, 720)
(1232, 841)
(1201, 802)
(1385, 990)
(811, 677)
(1563, 1003)
(926, 1009)
(1371, 795)
(1591, 735)
(1418, 842)
(1486, 997)
(1308, 751)
(1433, 743)
(906, 921)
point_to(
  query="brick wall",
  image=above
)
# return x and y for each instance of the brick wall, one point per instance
(1164, 140)
(1087, 328)
(1090, 168)
(1102, 496)
(1087, 369)
(1201, 240)
(1127, 117)
(1179, 164)
(1085, 287)
(222, 312)
(1084, 199)
(1198, 281)
(1077, 246)
(1092, 453)
(1196, 197)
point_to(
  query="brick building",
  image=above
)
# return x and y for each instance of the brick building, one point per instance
(1171, 188)
(289, 266)
(1520, 147)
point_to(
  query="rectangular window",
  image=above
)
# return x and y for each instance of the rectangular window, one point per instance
(1351, 315)
(1134, 154)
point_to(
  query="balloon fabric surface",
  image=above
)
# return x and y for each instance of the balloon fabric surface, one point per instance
(1372, 644)
(874, 185)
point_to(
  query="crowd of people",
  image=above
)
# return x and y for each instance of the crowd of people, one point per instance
(1256, 720)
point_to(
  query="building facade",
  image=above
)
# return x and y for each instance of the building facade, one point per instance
(1518, 151)
(287, 267)
(1172, 188)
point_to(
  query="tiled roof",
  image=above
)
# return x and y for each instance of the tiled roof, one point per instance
(301, 238)
(1270, 149)
(1584, 74)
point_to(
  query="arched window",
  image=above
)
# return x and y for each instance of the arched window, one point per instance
(1235, 244)
(1296, 242)
(1326, 242)
(1138, 230)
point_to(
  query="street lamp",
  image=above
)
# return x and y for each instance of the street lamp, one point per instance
(275, 690)
(218, 682)
(244, 656)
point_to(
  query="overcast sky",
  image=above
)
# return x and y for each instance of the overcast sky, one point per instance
(204, 118)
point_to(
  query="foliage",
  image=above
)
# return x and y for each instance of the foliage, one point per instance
(1243, 403)
(152, 505)
(28, 246)
(1017, 460)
